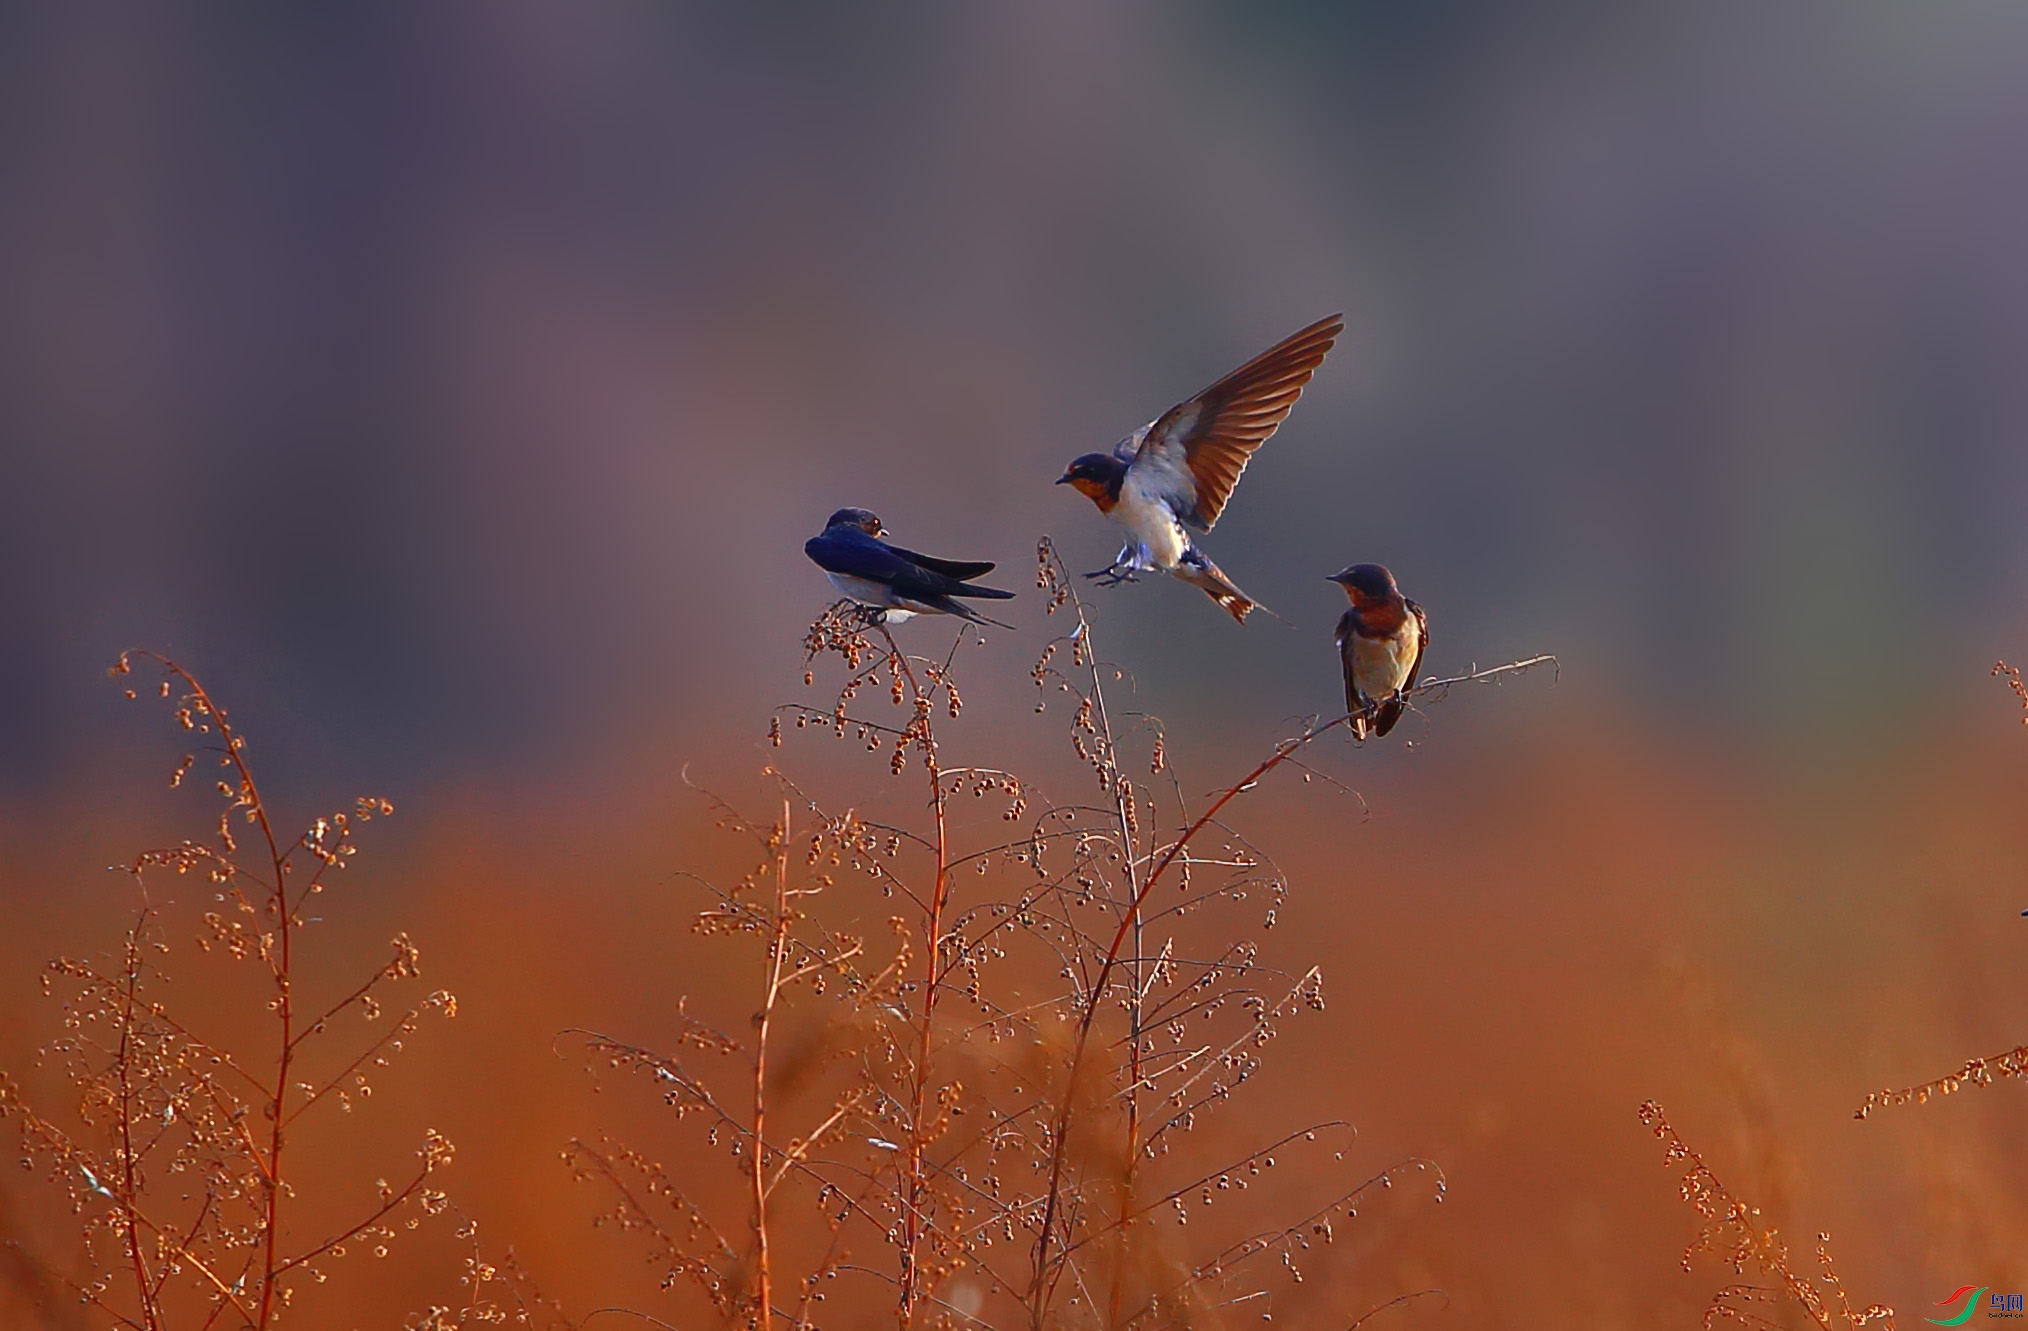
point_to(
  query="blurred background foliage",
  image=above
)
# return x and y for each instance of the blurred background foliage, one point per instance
(450, 375)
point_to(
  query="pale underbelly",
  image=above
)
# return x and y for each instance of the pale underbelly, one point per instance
(863, 590)
(1381, 665)
(868, 592)
(1152, 524)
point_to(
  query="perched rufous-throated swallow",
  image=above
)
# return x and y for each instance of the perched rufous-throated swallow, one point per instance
(1380, 642)
(1173, 475)
(895, 582)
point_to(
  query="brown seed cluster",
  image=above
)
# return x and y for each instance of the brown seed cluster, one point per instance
(2013, 677)
(1975, 1072)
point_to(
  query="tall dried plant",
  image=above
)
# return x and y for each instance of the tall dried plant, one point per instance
(179, 1154)
(989, 1116)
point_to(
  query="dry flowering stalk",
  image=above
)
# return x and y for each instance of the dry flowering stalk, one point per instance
(177, 1160)
(994, 1118)
(2013, 677)
(1732, 1232)
(1976, 1072)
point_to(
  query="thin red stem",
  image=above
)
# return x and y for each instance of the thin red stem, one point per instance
(249, 796)
(129, 1178)
(1040, 1282)
(914, 1191)
(757, 1148)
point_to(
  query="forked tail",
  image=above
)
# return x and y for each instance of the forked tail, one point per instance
(951, 605)
(1198, 570)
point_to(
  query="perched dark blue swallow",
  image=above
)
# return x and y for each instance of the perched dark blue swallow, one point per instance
(895, 582)
(1380, 643)
(1177, 471)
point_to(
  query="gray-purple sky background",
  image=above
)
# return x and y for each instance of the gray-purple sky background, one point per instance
(453, 386)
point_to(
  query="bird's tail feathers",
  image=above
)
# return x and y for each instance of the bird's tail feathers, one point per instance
(951, 606)
(1198, 570)
(1373, 719)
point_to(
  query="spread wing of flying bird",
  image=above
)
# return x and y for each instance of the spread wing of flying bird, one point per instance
(1199, 448)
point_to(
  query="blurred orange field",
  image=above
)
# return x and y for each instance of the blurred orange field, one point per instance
(1523, 934)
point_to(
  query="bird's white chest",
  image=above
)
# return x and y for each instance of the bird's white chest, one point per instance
(871, 593)
(1382, 665)
(1148, 516)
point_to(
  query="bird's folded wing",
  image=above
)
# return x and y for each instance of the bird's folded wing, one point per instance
(1347, 634)
(1421, 642)
(964, 570)
(880, 563)
(1196, 450)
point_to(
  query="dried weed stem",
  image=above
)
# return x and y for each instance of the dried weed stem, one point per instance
(996, 1111)
(179, 1163)
(1732, 1232)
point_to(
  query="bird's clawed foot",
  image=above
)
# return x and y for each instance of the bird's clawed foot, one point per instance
(1114, 575)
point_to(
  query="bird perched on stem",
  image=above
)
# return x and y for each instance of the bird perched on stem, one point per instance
(1172, 476)
(1380, 644)
(892, 582)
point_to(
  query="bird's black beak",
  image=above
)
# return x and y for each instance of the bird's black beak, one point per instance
(1065, 479)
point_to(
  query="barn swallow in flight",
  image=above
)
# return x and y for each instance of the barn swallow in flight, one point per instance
(1177, 471)
(892, 582)
(1380, 642)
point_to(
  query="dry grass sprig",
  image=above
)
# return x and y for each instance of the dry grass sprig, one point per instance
(2013, 677)
(1732, 1232)
(498, 1292)
(177, 1160)
(1398, 1301)
(1976, 1072)
(990, 1119)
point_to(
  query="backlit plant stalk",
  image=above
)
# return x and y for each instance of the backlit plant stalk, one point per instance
(168, 1101)
(978, 1148)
